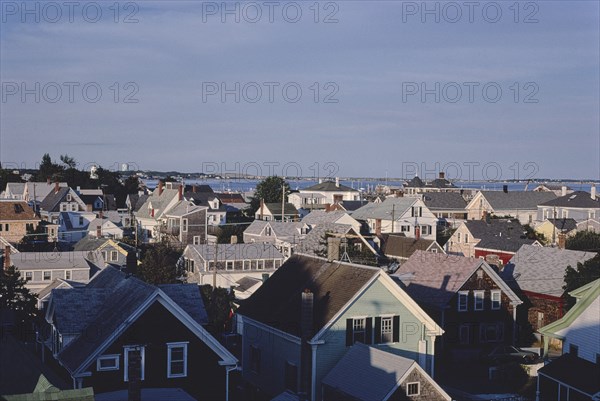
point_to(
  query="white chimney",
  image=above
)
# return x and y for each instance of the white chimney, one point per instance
(594, 192)
(564, 190)
(337, 182)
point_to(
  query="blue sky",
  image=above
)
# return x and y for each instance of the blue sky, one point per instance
(369, 61)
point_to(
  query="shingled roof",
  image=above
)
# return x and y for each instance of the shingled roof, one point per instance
(279, 298)
(16, 211)
(517, 200)
(329, 186)
(577, 199)
(444, 201)
(404, 247)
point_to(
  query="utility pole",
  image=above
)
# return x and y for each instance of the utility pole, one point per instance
(215, 267)
(554, 226)
(393, 215)
(282, 201)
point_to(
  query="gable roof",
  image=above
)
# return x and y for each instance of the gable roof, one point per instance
(541, 270)
(368, 373)
(53, 199)
(275, 209)
(575, 199)
(352, 205)
(498, 234)
(416, 182)
(286, 230)
(321, 216)
(444, 201)
(434, 278)
(383, 210)
(404, 247)
(514, 200)
(565, 224)
(16, 211)
(41, 190)
(183, 208)
(313, 242)
(279, 298)
(329, 186)
(158, 202)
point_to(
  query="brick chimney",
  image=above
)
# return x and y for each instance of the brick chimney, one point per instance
(378, 227)
(101, 214)
(6, 257)
(194, 189)
(180, 193)
(306, 333)
(333, 249)
(98, 231)
(48, 181)
(56, 187)
(562, 240)
(160, 188)
(262, 208)
(417, 232)
(442, 175)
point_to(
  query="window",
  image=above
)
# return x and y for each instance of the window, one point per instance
(358, 330)
(176, 360)
(466, 238)
(114, 256)
(105, 255)
(496, 299)
(184, 225)
(413, 389)
(28, 276)
(229, 265)
(573, 349)
(404, 229)
(268, 231)
(131, 353)
(291, 376)
(565, 213)
(107, 362)
(47, 276)
(463, 297)
(80, 220)
(211, 265)
(491, 332)
(386, 330)
(458, 237)
(196, 240)
(246, 265)
(254, 359)
(479, 296)
(63, 207)
(73, 207)
(68, 274)
(69, 198)
(425, 230)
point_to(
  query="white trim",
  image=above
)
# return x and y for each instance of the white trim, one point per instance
(458, 304)
(418, 389)
(170, 347)
(126, 349)
(478, 295)
(494, 292)
(114, 357)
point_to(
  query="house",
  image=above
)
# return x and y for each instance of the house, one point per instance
(479, 238)
(551, 228)
(104, 226)
(474, 306)
(349, 206)
(13, 191)
(216, 211)
(73, 226)
(16, 219)
(592, 225)
(574, 376)
(134, 202)
(448, 206)
(185, 223)
(273, 211)
(327, 192)
(558, 190)
(317, 217)
(308, 200)
(401, 248)
(93, 199)
(538, 274)
(302, 321)
(118, 332)
(284, 235)
(521, 205)
(579, 205)
(369, 374)
(61, 199)
(40, 268)
(355, 245)
(440, 184)
(233, 202)
(234, 261)
(150, 213)
(106, 251)
(407, 215)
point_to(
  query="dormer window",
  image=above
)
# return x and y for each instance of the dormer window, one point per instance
(268, 231)
(69, 198)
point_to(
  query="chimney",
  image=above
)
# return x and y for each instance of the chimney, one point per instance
(563, 191)
(233, 239)
(56, 187)
(320, 180)
(442, 175)
(262, 208)
(306, 333)
(337, 182)
(98, 231)
(48, 181)
(378, 227)
(101, 214)
(180, 193)
(333, 249)
(562, 240)
(194, 189)
(160, 188)
(505, 188)
(328, 207)
(484, 215)
(417, 232)
(6, 257)
(594, 191)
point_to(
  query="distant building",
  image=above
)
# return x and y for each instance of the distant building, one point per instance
(521, 205)
(16, 218)
(579, 205)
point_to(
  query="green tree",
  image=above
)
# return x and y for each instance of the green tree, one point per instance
(270, 190)
(161, 264)
(49, 169)
(14, 297)
(68, 161)
(584, 273)
(219, 305)
(584, 241)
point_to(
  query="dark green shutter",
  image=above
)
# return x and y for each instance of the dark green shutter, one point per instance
(349, 331)
(377, 331)
(396, 329)
(369, 330)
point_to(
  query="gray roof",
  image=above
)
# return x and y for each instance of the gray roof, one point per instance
(313, 242)
(367, 373)
(202, 199)
(52, 201)
(404, 247)
(416, 182)
(17, 188)
(542, 270)
(50, 260)
(566, 224)
(75, 308)
(159, 202)
(352, 205)
(434, 278)
(516, 200)
(444, 201)
(284, 231)
(383, 210)
(41, 189)
(498, 234)
(183, 208)
(246, 282)
(187, 296)
(237, 251)
(275, 209)
(329, 186)
(579, 199)
(321, 216)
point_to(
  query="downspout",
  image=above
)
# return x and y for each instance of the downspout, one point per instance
(537, 389)
(227, 370)
(514, 324)
(313, 378)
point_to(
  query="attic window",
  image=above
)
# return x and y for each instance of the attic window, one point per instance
(18, 208)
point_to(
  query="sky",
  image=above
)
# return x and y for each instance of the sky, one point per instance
(480, 90)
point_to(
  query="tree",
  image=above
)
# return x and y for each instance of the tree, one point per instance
(17, 299)
(269, 190)
(584, 241)
(219, 306)
(68, 161)
(530, 233)
(584, 273)
(161, 264)
(49, 170)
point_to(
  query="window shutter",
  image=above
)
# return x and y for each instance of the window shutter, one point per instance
(348, 332)
(369, 330)
(377, 330)
(396, 329)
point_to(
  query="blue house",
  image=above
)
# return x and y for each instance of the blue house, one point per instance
(298, 325)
